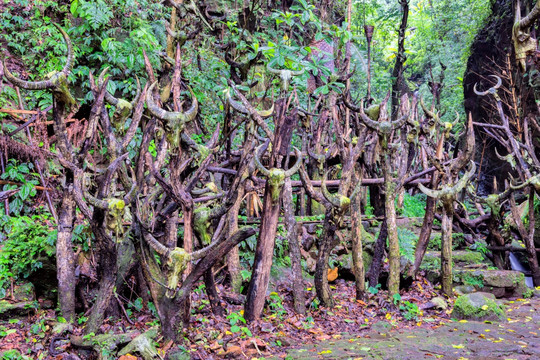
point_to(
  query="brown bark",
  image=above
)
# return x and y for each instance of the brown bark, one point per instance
(267, 232)
(356, 239)
(397, 73)
(65, 259)
(294, 250)
(321, 268)
(263, 258)
(425, 234)
(106, 250)
(213, 295)
(446, 249)
(393, 241)
(208, 261)
(233, 257)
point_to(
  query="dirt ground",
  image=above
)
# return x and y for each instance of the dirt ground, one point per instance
(515, 338)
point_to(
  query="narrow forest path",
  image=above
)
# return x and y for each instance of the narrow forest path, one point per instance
(515, 338)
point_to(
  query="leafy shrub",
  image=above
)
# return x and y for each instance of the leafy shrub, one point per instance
(28, 241)
(413, 206)
(20, 173)
(407, 243)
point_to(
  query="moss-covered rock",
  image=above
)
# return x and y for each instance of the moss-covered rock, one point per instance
(347, 262)
(501, 283)
(20, 308)
(464, 289)
(478, 306)
(24, 292)
(461, 258)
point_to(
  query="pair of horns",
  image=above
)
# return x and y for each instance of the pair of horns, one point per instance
(492, 89)
(171, 116)
(238, 106)
(375, 125)
(452, 190)
(266, 172)
(111, 99)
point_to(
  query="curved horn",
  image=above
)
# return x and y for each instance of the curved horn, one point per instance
(110, 99)
(316, 156)
(526, 183)
(349, 104)
(156, 245)
(296, 166)
(45, 84)
(464, 179)
(98, 203)
(491, 89)
(471, 192)
(238, 106)
(401, 121)
(279, 71)
(484, 93)
(456, 121)
(503, 158)
(158, 112)
(258, 163)
(272, 70)
(333, 199)
(298, 72)
(428, 112)
(431, 193)
(499, 82)
(374, 125)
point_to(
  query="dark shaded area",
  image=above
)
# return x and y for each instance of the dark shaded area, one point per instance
(491, 51)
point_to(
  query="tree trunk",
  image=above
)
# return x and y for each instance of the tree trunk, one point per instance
(356, 239)
(321, 268)
(263, 258)
(213, 295)
(267, 233)
(65, 258)
(378, 255)
(425, 234)
(377, 201)
(393, 241)
(446, 250)
(106, 271)
(233, 257)
(294, 250)
(397, 72)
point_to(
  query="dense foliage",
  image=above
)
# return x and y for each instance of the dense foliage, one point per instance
(132, 152)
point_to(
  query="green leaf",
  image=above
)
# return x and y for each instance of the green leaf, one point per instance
(246, 331)
(305, 17)
(73, 8)
(235, 328)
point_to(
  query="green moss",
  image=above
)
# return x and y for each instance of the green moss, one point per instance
(468, 257)
(469, 278)
(464, 307)
(529, 293)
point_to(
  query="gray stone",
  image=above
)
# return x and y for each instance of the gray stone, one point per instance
(439, 303)
(464, 289)
(24, 292)
(478, 306)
